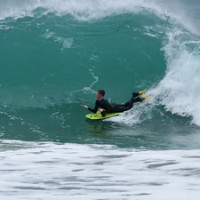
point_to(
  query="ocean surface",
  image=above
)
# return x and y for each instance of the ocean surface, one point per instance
(54, 55)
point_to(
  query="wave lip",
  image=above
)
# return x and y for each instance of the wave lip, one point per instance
(96, 9)
(179, 90)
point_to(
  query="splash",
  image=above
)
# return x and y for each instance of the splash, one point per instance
(179, 91)
(86, 10)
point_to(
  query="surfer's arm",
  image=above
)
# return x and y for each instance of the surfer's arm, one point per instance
(95, 108)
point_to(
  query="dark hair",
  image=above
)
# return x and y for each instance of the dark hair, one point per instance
(102, 92)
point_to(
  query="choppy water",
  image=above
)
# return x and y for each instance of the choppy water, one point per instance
(55, 54)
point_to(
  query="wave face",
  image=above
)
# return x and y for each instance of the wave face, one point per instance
(56, 54)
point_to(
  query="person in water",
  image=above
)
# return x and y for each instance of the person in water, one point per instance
(105, 107)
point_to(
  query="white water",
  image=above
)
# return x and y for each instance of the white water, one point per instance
(96, 9)
(71, 171)
(179, 91)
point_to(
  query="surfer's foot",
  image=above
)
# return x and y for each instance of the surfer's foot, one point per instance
(142, 92)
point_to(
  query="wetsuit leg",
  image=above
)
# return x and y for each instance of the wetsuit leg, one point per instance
(127, 106)
(123, 107)
(119, 108)
(130, 103)
(139, 99)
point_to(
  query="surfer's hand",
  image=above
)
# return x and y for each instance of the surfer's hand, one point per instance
(84, 106)
(103, 112)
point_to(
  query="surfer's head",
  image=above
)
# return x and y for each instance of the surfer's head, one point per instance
(100, 94)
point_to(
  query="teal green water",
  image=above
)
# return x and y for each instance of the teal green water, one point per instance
(52, 63)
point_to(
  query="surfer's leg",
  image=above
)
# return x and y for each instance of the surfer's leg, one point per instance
(119, 108)
(123, 107)
(139, 99)
(135, 94)
(128, 105)
(135, 98)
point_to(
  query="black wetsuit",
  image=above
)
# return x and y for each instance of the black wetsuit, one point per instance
(112, 108)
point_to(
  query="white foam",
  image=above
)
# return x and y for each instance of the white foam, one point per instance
(137, 115)
(179, 91)
(72, 171)
(96, 79)
(96, 9)
(65, 42)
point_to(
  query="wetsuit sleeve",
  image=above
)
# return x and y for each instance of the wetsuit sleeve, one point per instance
(95, 108)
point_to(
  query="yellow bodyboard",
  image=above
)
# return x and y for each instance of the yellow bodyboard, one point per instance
(96, 116)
